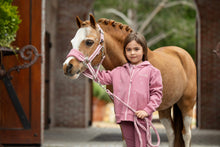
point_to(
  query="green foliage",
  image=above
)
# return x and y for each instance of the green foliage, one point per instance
(181, 19)
(9, 22)
(100, 93)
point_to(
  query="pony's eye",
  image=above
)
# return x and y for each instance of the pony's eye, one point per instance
(89, 42)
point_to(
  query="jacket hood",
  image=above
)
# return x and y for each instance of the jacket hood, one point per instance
(144, 63)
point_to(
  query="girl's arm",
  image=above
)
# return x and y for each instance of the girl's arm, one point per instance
(156, 94)
(105, 77)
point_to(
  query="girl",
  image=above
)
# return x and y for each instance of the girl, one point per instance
(138, 84)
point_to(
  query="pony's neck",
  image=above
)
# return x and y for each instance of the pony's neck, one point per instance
(150, 54)
(114, 39)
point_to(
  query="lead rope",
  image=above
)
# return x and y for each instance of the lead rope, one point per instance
(94, 76)
(137, 123)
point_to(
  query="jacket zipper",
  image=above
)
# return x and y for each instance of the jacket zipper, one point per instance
(129, 90)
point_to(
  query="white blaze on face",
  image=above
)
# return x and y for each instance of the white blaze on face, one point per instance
(79, 37)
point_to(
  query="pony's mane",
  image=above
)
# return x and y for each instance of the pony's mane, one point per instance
(109, 22)
(114, 24)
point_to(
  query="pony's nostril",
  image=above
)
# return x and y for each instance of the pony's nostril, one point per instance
(69, 68)
(78, 72)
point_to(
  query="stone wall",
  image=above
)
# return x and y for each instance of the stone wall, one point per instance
(70, 101)
(208, 64)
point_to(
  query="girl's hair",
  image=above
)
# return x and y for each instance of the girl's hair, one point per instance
(140, 40)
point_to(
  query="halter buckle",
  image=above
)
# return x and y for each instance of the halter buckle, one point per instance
(86, 61)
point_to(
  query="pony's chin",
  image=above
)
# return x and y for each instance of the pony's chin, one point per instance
(74, 77)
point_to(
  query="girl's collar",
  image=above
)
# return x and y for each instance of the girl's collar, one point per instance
(144, 63)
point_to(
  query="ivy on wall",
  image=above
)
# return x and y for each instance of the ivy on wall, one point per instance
(9, 23)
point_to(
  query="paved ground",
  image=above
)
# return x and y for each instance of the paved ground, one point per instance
(111, 137)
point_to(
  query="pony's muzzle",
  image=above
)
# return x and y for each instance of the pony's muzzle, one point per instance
(69, 68)
(72, 68)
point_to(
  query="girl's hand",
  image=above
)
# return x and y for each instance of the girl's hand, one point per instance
(141, 114)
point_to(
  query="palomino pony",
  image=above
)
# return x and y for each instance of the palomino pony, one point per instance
(176, 65)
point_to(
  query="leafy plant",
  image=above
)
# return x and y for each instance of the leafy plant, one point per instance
(9, 22)
(100, 93)
(162, 22)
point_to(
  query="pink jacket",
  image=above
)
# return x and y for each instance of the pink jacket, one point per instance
(139, 86)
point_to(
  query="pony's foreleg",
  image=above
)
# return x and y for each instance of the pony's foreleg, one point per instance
(123, 140)
(166, 120)
(110, 87)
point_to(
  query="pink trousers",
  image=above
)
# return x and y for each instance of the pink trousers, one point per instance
(130, 134)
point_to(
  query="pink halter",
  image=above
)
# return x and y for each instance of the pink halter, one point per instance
(87, 62)
(77, 54)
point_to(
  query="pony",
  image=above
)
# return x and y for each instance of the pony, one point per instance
(177, 68)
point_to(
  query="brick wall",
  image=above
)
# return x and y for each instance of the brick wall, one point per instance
(69, 99)
(208, 64)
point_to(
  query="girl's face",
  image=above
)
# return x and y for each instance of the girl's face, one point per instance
(134, 52)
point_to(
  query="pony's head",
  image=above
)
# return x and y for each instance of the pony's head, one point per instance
(86, 40)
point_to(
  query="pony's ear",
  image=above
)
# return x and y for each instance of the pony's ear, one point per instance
(78, 21)
(92, 21)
